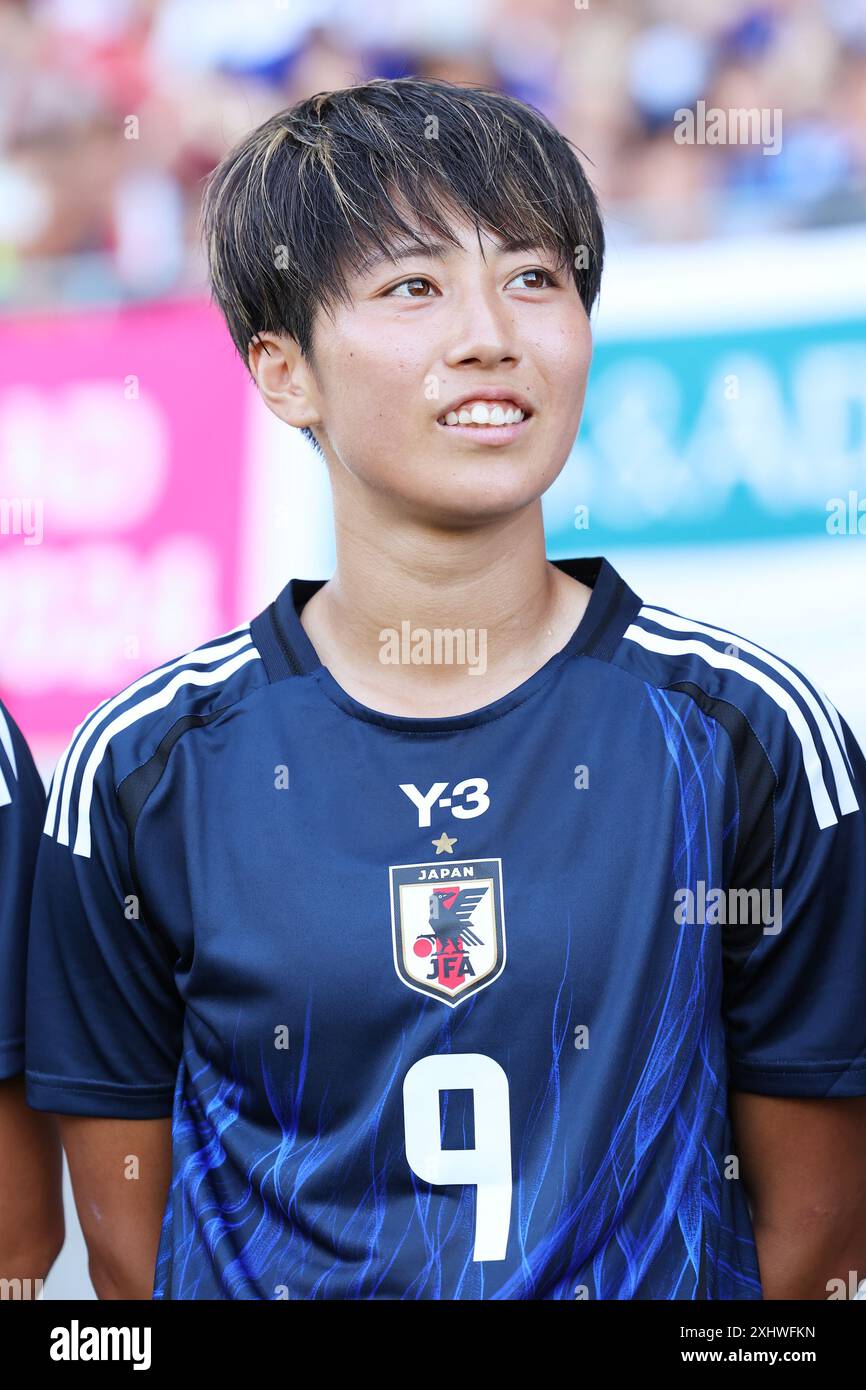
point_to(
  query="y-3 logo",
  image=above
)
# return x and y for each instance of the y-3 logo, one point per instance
(472, 792)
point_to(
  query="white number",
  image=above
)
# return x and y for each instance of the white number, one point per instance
(478, 796)
(488, 1166)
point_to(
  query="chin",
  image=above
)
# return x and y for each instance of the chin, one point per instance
(468, 506)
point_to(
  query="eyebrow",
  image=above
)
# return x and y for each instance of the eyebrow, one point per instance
(437, 251)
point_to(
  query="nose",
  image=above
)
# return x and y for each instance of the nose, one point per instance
(483, 331)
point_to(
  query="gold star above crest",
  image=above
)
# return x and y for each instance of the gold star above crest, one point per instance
(445, 844)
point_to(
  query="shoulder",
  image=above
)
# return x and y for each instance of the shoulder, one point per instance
(9, 743)
(755, 694)
(20, 782)
(125, 731)
(11, 740)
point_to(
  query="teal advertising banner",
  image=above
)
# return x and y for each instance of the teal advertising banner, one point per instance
(730, 435)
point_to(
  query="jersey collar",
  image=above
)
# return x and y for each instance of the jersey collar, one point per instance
(287, 650)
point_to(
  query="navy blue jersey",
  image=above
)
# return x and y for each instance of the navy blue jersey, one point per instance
(22, 810)
(448, 1008)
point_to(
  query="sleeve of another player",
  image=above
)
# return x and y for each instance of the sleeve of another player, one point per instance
(104, 1018)
(795, 984)
(22, 808)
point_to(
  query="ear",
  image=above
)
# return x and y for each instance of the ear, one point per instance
(284, 379)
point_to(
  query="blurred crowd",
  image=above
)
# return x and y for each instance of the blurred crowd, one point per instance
(112, 112)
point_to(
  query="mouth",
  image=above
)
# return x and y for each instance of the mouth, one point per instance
(486, 421)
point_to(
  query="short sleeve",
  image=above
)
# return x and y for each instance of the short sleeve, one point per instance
(22, 808)
(795, 984)
(104, 1018)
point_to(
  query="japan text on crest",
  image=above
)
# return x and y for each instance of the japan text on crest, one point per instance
(448, 926)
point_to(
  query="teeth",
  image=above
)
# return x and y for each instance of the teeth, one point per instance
(484, 413)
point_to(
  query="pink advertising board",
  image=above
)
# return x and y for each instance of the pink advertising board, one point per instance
(121, 484)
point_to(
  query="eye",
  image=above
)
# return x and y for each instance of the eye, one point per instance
(537, 270)
(414, 280)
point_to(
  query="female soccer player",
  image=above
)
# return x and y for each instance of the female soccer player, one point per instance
(462, 927)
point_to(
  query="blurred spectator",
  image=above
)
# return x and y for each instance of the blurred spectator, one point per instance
(112, 112)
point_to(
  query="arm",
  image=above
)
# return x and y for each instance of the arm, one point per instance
(120, 1170)
(803, 1163)
(31, 1201)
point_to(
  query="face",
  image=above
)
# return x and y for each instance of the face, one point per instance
(426, 338)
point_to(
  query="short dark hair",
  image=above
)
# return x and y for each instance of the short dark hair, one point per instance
(314, 190)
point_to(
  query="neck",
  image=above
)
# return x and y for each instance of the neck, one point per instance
(491, 586)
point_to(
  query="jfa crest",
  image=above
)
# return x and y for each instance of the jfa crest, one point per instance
(448, 926)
